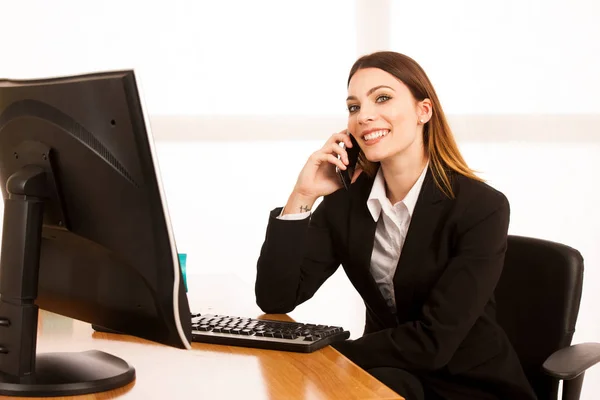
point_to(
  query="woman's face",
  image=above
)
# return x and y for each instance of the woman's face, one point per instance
(383, 116)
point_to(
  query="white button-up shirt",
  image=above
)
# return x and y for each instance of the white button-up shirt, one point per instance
(392, 226)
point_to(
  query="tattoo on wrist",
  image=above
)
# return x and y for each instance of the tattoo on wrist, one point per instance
(304, 209)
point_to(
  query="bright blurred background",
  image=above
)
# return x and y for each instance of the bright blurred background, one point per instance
(239, 93)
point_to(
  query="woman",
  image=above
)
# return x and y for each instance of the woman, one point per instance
(421, 238)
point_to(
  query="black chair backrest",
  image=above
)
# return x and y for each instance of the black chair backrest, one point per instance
(537, 301)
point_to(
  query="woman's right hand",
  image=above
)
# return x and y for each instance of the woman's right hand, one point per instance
(318, 176)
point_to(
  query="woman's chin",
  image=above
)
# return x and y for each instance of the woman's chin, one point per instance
(374, 156)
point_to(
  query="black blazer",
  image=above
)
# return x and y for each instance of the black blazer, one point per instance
(445, 329)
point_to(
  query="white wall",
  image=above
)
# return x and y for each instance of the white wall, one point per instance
(239, 93)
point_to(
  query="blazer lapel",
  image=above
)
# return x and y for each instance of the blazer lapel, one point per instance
(425, 218)
(361, 237)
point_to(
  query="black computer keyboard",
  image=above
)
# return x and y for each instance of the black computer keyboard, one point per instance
(260, 333)
(264, 334)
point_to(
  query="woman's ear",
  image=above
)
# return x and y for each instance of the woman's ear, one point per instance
(424, 111)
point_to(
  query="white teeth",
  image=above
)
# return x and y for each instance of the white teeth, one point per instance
(376, 134)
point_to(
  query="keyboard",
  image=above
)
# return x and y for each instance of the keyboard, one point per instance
(260, 333)
(264, 334)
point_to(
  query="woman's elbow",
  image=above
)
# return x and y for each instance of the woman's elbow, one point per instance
(270, 305)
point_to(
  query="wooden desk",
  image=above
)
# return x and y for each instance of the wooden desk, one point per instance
(211, 371)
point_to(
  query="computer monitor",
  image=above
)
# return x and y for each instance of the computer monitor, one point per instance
(86, 230)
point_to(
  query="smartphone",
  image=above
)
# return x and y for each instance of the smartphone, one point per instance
(346, 174)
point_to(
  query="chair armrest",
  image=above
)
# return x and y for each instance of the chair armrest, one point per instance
(572, 361)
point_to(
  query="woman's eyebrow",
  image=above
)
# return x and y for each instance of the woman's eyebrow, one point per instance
(371, 91)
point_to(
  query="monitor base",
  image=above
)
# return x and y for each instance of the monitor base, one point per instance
(68, 374)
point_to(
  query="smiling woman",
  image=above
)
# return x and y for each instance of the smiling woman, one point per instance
(397, 92)
(421, 238)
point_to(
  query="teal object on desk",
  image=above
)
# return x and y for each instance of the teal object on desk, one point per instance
(182, 263)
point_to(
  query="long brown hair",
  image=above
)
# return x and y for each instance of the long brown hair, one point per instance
(437, 137)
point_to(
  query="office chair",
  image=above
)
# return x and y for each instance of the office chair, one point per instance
(537, 304)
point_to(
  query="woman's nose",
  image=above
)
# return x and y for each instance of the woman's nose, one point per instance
(365, 115)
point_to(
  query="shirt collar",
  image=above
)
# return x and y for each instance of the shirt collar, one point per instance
(377, 195)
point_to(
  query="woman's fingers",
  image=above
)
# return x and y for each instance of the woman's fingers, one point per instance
(333, 146)
(341, 136)
(322, 156)
(338, 150)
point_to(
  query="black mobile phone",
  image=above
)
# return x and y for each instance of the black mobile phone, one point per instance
(346, 175)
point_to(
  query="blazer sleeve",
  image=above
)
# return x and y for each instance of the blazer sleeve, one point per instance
(456, 301)
(296, 258)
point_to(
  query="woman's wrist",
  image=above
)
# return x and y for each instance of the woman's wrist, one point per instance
(299, 203)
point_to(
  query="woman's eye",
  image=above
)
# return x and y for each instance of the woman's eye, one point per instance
(352, 108)
(383, 98)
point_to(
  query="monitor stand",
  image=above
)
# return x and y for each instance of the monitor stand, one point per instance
(22, 371)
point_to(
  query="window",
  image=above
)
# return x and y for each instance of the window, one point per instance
(512, 56)
(195, 57)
